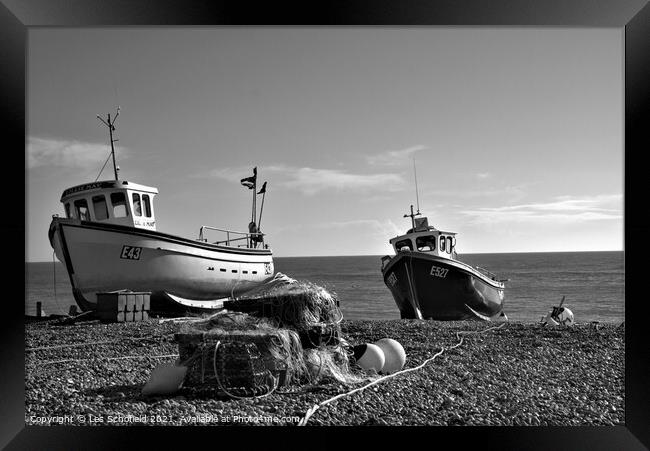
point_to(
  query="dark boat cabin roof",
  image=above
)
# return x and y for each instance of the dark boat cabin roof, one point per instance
(112, 201)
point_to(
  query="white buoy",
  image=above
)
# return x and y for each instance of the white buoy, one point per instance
(165, 379)
(370, 357)
(395, 356)
(564, 317)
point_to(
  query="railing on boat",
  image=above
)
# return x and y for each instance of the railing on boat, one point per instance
(252, 239)
(490, 274)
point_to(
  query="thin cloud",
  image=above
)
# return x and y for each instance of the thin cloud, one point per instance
(374, 226)
(483, 175)
(311, 181)
(564, 209)
(42, 152)
(510, 193)
(371, 227)
(229, 174)
(234, 174)
(394, 157)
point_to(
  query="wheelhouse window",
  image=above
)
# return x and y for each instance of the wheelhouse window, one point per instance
(404, 245)
(442, 243)
(67, 210)
(100, 207)
(449, 245)
(81, 207)
(119, 205)
(147, 205)
(137, 208)
(426, 243)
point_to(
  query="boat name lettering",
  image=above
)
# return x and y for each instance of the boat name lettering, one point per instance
(137, 222)
(87, 186)
(267, 268)
(438, 271)
(392, 278)
(131, 252)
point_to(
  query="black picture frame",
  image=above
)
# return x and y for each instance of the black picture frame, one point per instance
(16, 16)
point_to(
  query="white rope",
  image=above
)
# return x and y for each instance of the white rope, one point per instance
(315, 407)
(109, 358)
(182, 319)
(43, 348)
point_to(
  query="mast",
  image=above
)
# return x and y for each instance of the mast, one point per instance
(417, 198)
(417, 195)
(111, 127)
(412, 216)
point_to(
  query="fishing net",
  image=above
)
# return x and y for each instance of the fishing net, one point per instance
(285, 332)
(305, 307)
(330, 363)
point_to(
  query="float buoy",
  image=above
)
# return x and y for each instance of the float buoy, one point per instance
(369, 357)
(394, 354)
(559, 316)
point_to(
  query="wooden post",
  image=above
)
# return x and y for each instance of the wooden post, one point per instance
(39, 309)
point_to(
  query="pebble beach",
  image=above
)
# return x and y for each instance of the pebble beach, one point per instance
(514, 373)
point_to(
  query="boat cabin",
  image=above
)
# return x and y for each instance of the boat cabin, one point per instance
(425, 238)
(113, 202)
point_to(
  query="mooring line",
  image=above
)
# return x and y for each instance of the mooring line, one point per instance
(109, 358)
(43, 348)
(315, 407)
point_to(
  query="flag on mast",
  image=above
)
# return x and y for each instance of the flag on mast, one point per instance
(249, 182)
(263, 189)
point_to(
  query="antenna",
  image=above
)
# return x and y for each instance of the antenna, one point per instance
(111, 127)
(415, 175)
(412, 216)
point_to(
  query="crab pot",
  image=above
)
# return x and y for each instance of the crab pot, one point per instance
(245, 363)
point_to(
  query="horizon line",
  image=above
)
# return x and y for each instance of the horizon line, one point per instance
(380, 255)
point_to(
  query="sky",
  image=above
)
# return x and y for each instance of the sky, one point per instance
(516, 134)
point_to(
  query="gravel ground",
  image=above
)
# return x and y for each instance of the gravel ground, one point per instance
(520, 374)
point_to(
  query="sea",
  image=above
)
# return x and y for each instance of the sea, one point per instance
(592, 282)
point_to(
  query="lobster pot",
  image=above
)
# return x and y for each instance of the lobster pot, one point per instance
(243, 363)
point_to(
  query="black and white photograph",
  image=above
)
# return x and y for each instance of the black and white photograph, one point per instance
(325, 226)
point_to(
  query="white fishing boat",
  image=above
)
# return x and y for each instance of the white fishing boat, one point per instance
(108, 241)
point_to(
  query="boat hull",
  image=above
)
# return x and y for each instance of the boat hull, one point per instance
(107, 257)
(429, 287)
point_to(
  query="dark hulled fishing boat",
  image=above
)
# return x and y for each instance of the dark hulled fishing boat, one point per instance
(429, 282)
